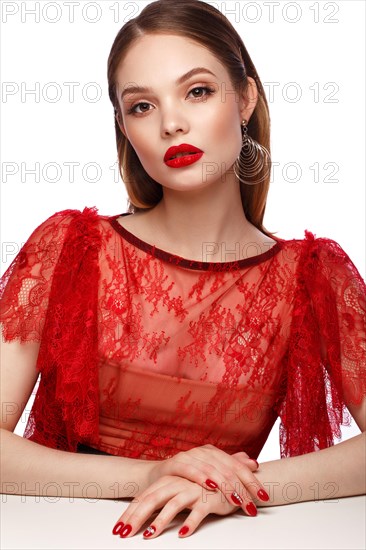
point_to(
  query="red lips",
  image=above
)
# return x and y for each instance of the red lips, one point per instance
(183, 148)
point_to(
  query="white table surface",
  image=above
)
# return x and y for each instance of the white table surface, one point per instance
(60, 523)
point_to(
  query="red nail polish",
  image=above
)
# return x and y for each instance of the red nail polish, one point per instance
(184, 530)
(236, 498)
(211, 484)
(263, 495)
(117, 528)
(127, 529)
(252, 510)
(149, 531)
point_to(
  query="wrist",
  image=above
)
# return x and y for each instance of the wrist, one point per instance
(123, 477)
(144, 469)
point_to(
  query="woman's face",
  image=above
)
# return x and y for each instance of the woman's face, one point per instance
(173, 113)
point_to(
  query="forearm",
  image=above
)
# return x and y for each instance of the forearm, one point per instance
(28, 468)
(336, 472)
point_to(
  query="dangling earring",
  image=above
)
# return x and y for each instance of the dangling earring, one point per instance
(251, 159)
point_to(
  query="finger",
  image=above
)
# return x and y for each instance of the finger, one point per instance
(213, 468)
(226, 476)
(245, 459)
(176, 505)
(194, 469)
(123, 526)
(141, 511)
(192, 521)
(246, 479)
(255, 461)
(247, 488)
(241, 456)
(252, 464)
(194, 466)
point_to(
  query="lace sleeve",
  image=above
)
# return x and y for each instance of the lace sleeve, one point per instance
(326, 355)
(339, 300)
(50, 294)
(25, 286)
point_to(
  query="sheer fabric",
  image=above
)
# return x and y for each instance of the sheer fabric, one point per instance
(144, 353)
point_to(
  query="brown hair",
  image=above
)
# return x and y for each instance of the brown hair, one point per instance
(208, 27)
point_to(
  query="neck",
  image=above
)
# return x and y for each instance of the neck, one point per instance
(204, 224)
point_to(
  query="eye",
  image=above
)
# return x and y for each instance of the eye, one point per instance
(133, 109)
(207, 89)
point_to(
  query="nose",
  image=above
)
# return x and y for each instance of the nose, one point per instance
(173, 121)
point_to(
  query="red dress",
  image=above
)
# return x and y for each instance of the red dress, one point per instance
(144, 354)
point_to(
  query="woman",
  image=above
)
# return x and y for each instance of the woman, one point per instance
(169, 339)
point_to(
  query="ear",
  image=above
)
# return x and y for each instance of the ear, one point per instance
(248, 99)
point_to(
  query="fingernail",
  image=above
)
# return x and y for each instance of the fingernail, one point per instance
(236, 498)
(255, 462)
(252, 510)
(211, 484)
(117, 528)
(149, 531)
(263, 495)
(127, 529)
(184, 530)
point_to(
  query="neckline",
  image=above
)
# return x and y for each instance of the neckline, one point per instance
(185, 262)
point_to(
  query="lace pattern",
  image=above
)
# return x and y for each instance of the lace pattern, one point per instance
(143, 355)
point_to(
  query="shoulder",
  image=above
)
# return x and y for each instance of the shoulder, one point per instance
(70, 225)
(325, 250)
(323, 258)
(51, 231)
(89, 215)
(315, 247)
(312, 254)
(62, 219)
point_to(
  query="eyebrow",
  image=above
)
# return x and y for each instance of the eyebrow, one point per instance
(133, 88)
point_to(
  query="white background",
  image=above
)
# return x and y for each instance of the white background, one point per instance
(309, 55)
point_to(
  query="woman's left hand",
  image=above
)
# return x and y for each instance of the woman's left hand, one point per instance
(171, 495)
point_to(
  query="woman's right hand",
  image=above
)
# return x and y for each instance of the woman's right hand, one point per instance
(209, 466)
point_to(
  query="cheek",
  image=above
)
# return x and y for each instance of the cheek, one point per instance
(227, 132)
(226, 125)
(140, 142)
(145, 150)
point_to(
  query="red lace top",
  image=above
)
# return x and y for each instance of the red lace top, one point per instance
(144, 353)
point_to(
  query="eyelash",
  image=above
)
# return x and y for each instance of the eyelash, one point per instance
(209, 91)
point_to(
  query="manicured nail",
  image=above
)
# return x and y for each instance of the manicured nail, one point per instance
(211, 484)
(263, 495)
(236, 498)
(127, 529)
(117, 528)
(251, 509)
(149, 531)
(184, 530)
